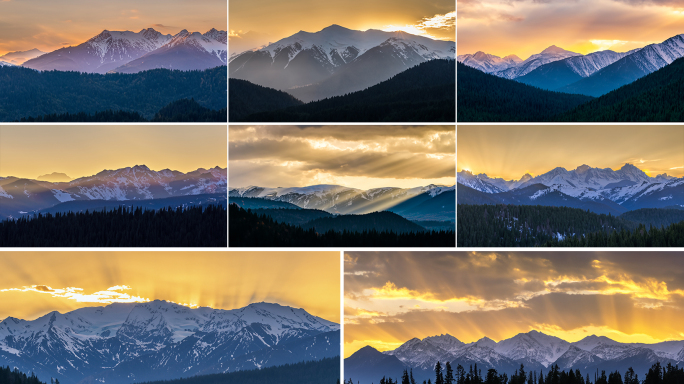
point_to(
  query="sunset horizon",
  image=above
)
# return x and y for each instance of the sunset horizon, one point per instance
(524, 28)
(126, 277)
(391, 298)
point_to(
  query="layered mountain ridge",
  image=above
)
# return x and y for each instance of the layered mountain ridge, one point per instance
(335, 60)
(594, 74)
(20, 196)
(129, 52)
(133, 342)
(618, 191)
(535, 350)
(411, 203)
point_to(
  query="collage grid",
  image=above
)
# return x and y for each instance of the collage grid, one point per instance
(358, 216)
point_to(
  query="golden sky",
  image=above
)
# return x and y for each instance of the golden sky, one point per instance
(354, 156)
(511, 151)
(253, 23)
(223, 280)
(391, 297)
(49, 25)
(29, 151)
(526, 27)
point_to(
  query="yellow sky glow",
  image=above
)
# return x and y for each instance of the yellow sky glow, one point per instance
(78, 151)
(49, 25)
(511, 151)
(223, 280)
(527, 27)
(255, 23)
(391, 297)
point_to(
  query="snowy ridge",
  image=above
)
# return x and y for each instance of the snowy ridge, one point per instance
(655, 56)
(534, 349)
(488, 63)
(212, 42)
(6, 64)
(110, 50)
(629, 186)
(336, 45)
(113, 45)
(94, 341)
(477, 182)
(340, 199)
(136, 183)
(533, 62)
(593, 62)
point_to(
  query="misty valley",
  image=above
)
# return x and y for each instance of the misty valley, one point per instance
(330, 215)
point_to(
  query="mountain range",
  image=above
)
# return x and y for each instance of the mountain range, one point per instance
(335, 60)
(594, 74)
(600, 190)
(20, 196)
(431, 202)
(159, 340)
(535, 350)
(131, 52)
(20, 57)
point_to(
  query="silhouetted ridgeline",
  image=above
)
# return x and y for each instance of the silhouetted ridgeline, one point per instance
(424, 93)
(248, 229)
(324, 371)
(445, 374)
(190, 227)
(26, 92)
(529, 226)
(247, 98)
(10, 376)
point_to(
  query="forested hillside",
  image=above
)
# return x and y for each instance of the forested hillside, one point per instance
(658, 96)
(177, 111)
(529, 226)
(483, 97)
(248, 229)
(247, 98)
(324, 371)
(26, 92)
(422, 93)
(191, 227)
(10, 376)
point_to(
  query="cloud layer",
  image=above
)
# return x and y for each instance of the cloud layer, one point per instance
(526, 27)
(354, 156)
(391, 297)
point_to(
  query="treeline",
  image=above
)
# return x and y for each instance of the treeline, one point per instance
(122, 227)
(313, 372)
(179, 111)
(248, 229)
(658, 96)
(529, 225)
(657, 374)
(9, 376)
(422, 93)
(670, 236)
(27, 92)
(483, 97)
